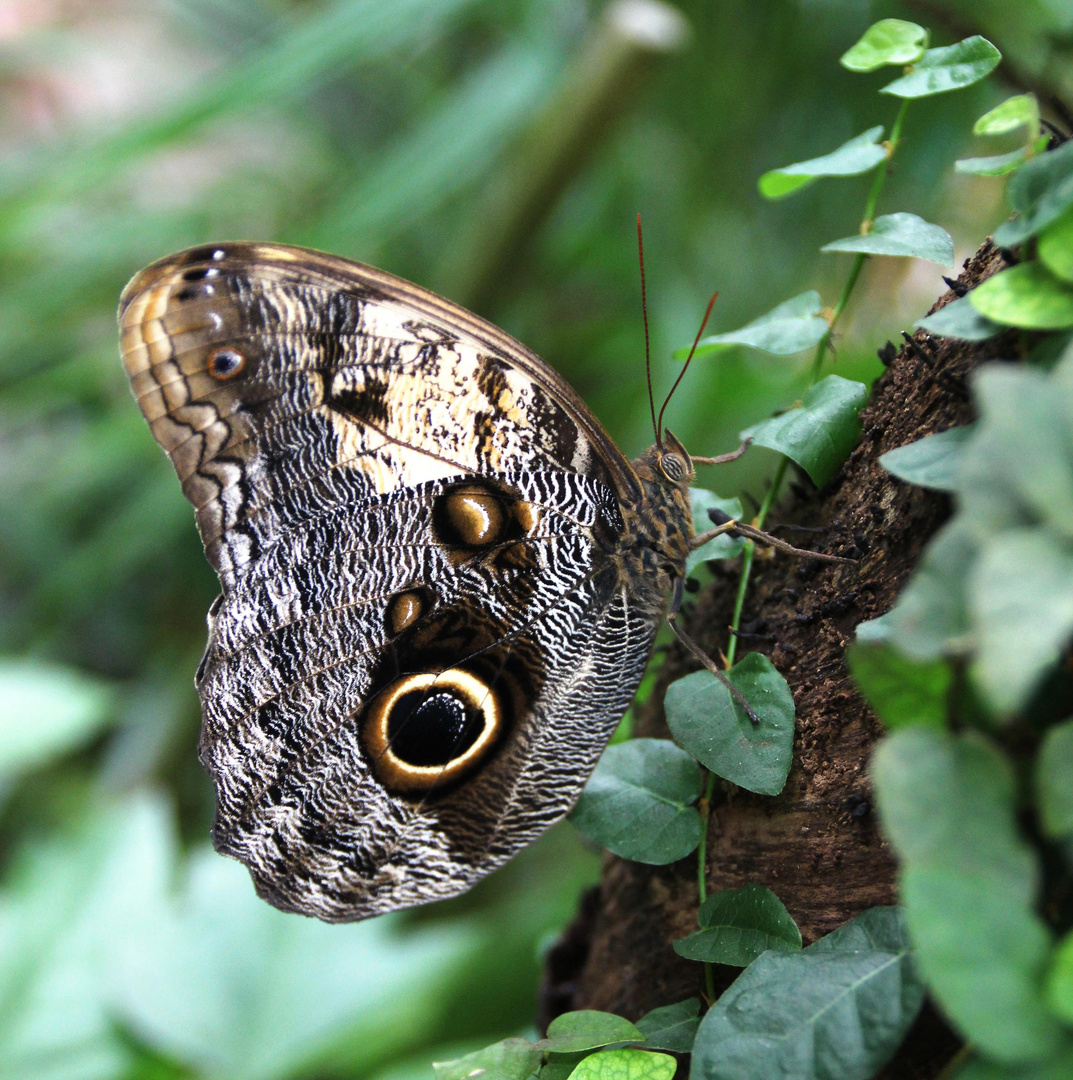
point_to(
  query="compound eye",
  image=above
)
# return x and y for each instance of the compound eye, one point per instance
(226, 363)
(673, 467)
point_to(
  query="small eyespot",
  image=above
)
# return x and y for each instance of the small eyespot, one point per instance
(199, 273)
(226, 363)
(673, 467)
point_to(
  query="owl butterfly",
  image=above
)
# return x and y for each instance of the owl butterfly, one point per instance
(440, 578)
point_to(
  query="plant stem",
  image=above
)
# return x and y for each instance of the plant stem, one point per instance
(814, 373)
(749, 550)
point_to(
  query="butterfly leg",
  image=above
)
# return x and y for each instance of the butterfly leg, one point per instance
(701, 655)
(725, 524)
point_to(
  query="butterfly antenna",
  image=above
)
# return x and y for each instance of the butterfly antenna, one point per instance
(685, 366)
(644, 315)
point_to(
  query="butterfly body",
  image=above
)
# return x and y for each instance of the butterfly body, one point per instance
(440, 578)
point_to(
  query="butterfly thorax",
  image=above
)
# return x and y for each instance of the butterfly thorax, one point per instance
(658, 528)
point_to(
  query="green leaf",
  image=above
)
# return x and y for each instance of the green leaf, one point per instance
(1058, 1067)
(901, 691)
(793, 326)
(1018, 468)
(901, 235)
(708, 722)
(1014, 112)
(1021, 598)
(1028, 296)
(959, 319)
(931, 618)
(722, 547)
(510, 1059)
(858, 155)
(1054, 782)
(992, 165)
(1060, 980)
(738, 925)
(1041, 191)
(638, 802)
(889, 41)
(63, 907)
(835, 1011)
(671, 1027)
(820, 434)
(969, 883)
(950, 68)
(586, 1029)
(626, 1065)
(558, 1066)
(1055, 248)
(931, 462)
(45, 711)
(216, 979)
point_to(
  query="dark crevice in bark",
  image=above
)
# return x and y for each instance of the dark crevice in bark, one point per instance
(818, 845)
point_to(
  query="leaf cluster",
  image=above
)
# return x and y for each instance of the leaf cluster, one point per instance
(970, 669)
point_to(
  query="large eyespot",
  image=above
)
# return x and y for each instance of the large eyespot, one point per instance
(428, 730)
(226, 363)
(673, 467)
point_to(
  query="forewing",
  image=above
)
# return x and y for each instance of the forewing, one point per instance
(282, 382)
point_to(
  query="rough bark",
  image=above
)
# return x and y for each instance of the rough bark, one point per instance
(818, 845)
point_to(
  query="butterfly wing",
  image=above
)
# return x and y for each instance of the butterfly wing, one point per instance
(424, 638)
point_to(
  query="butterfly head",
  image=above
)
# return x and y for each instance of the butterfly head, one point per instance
(666, 471)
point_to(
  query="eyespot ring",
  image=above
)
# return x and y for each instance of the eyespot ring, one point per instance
(672, 466)
(402, 774)
(226, 363)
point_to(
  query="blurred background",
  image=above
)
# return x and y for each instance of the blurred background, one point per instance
(496, 151)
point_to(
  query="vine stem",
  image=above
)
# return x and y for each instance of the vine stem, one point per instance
(749, 550)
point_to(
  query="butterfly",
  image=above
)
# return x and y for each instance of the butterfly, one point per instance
(440, 578)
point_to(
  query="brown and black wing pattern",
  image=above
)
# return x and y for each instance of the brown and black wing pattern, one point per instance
(424, 638)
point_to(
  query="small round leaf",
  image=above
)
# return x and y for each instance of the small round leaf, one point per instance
(951, 68)
(625, 1065)
(638, 802)
(707, 721)
(889, 41)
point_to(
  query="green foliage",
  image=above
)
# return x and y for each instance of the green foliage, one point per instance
(792, 327)
(586, 1030)
(995, 583)
(1040, 192)
(901, 691)
(719, 547)
(509, 1059)
(1017, 111)
(1054, 782)
(738, 925)
(960, 319)
(639, 802)
(46, 711)
(969, 884)
(931, 462)
(711, 724)
(1028, 296)
(900, 234)
(889, 41)
(626, 1065)
(855, 156)
(953, 67)
(834, 1011)
(671, 1027)
(820, 432)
